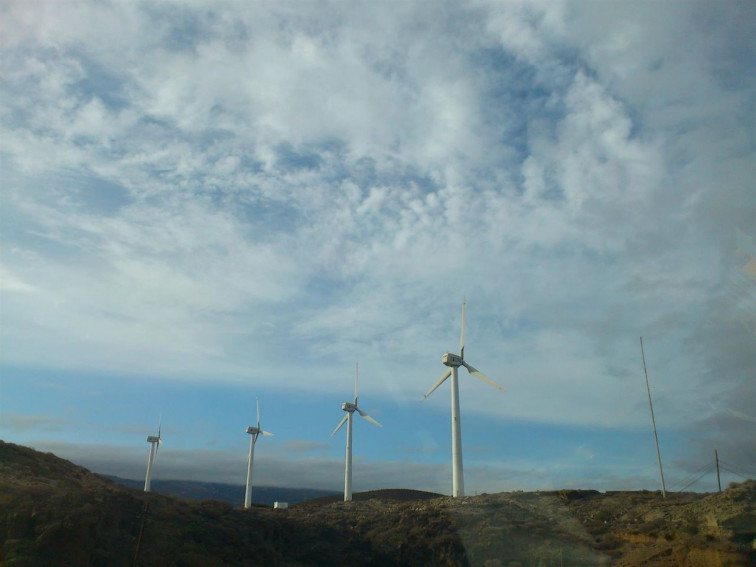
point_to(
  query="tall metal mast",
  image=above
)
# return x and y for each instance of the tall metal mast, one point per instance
(653, 422)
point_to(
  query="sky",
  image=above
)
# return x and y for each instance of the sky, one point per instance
(203, 204)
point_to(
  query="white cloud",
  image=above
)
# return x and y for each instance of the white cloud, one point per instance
(332, 187)
(10, 284)
(21, 423)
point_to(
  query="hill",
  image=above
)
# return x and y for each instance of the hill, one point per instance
(231, 493)
(53, 512)
(396, 494)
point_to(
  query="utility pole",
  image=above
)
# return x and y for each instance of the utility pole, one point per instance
(141, 532)
(716, 460)
(653, 422)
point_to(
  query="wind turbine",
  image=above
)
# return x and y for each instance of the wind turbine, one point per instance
(155, 443)
(350, 409)
(454, 362)
(254, 432)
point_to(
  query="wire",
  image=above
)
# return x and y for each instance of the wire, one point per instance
(693, 477)
(750, 473)
(694, 481)
(733, 472)
(695, 472)
(703, 469)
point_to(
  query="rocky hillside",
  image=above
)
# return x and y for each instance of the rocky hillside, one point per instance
(55, 513)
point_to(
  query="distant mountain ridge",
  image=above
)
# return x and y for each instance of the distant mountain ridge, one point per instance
(231, 493)
(387, 494)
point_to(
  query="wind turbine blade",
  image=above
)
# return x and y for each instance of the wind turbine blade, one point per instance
(462, 336)
(266, 433)
(366, 416)
(160, 423)
(356, 374)
(342, 422)
(441, 380)
(480, 376)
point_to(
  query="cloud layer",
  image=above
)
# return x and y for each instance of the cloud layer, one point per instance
(269, 192)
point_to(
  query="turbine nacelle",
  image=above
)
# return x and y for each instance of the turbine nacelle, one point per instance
(153, 439)
(452, 360)
(253, 430)
(351, 408)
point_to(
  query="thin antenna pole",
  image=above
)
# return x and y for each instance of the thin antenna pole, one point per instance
(716, 460)
(653, 422)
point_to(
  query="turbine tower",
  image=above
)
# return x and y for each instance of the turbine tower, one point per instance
(350, 409)
(254, 432)
(155, 443)
(454, 362)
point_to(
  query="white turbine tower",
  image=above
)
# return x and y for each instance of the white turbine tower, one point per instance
(454, 362)
(155, 443)
(350, 409)
(254, 432)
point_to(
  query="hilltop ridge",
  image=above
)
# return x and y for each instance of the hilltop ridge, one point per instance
(53, 512)
(231, 493)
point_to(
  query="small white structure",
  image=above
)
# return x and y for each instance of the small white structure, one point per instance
(280, 505)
